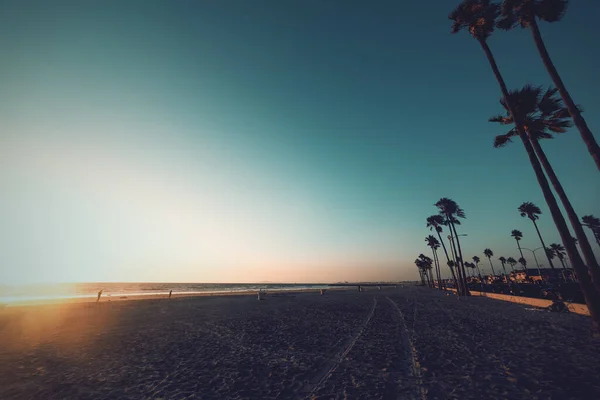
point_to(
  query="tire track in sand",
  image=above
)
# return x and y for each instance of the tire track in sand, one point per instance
(330, 367)
(409, 343)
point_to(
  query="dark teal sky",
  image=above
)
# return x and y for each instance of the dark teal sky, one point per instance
(331, 127)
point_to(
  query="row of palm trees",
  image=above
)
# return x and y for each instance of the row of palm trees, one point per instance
(534, 114)
(449, 212)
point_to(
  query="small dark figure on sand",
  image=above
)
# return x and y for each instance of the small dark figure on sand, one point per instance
(359, 289)
(170, 293)
(99, 295)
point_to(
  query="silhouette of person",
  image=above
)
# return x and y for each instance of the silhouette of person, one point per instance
(99, 295)
(170, 293)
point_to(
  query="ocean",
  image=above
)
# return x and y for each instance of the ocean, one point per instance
(11, 294)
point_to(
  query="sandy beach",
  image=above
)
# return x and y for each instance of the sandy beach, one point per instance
(379, 344)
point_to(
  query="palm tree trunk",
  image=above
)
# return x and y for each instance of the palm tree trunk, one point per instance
(584, 244)
(563, 263)
(504, 269)
(521, 251)
(519, 247)
(461, 278)
(437, 269)
(462, 263)
(448, 259)
(592, 296)
(431, 281)
(421, 272)
(493, 272)
(578, 120)
(543, 244)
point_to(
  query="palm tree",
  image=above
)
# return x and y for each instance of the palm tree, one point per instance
(531, 211)
(503, 261)
(543, 115)
(559, 251)
(479, 18)
(526, 13)
(436, 222)
(476, 260)
(471, 266)
(451, 212)
(523, 262)
(518, 235)
(427, 265)
(421, 267)
(512, 262)
(594, 224)
(434, 244)
(489, 254)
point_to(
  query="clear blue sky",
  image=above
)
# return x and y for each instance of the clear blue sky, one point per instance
(266, 140)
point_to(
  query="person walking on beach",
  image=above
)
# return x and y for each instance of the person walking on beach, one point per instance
(99, 295)
(170, 293)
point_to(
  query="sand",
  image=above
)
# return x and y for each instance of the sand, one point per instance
(379, 344)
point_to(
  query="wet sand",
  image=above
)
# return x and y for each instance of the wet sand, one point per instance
(379, 344)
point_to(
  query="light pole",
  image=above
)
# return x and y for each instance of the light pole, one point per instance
(535, 258)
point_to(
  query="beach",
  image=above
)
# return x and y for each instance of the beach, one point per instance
(406, 342)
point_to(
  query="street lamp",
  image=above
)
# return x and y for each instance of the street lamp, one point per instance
(535, 258)
(451, 239)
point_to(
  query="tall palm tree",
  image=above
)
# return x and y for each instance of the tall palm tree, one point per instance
(526, 13)
(559, 251)
(594, 224)
(435, 222)
(512, 262)
(531, 211)
(503, 261)
(479, 18)
(543, 114)
(434, 244)
(451, 212)
(517, 235)
(489, 254)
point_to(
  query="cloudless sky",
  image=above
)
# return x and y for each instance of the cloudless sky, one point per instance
(248, 140)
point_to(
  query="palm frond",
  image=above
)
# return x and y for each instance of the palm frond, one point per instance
(501, 141)
(551, 10)
(478, 16)
(502, 119)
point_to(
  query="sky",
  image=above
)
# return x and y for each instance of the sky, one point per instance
(250, 140)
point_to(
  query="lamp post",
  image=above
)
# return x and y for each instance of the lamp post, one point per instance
(535, 258)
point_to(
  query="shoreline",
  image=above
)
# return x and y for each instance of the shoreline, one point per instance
(157, 296)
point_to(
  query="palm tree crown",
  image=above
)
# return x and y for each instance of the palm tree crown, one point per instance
(530, 210)
(511, 261)
(591, 221)
(476, 259)
(523, 261)
(448, 208)
(524, 12)
(541, 112)
(518, 235)
(488, 253)
(432, 242)
(558, 250)
(477, 16)
(502, 259)
(435, 222)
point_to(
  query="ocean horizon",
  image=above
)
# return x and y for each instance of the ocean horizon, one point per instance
(57, 291)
